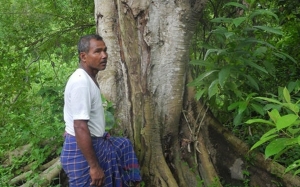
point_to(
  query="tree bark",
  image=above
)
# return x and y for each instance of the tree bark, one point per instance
(148, 46)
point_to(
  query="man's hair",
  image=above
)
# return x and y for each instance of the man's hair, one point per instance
(84, 43)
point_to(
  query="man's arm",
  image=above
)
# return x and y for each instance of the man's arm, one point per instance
(84, 142)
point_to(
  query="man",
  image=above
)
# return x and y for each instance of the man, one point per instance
(90, 157)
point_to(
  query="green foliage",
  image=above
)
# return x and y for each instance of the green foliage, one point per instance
(109, 114)
(238, 59)
(283, 123)
(249, 49)
(38, 53)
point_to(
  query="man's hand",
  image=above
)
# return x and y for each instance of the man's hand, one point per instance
(97, 176)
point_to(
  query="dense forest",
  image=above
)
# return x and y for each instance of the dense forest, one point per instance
(244, 58)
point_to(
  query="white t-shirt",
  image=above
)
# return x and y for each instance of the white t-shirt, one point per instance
(83, 102)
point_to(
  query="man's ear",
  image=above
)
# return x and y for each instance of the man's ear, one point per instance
(82, 56)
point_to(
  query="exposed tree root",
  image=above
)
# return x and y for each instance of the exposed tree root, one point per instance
(206, 167)
(260, 162)
(51, 170)
(20, 178)
(17, 153)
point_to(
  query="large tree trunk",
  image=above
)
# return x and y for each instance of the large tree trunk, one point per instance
(148, 44)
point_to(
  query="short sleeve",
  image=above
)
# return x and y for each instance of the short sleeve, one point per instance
(80, 103)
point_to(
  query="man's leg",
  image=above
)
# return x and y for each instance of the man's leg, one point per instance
(74, 163)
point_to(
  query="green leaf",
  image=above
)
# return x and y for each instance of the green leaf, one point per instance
(199, 93)
(198, 62)
(223, 76)
(286, 95)
(260, 51)
(269, 29)
(292, 107)
(256, 66)
(262, 12)
(237, 119)
(270, 132)
(294, 131)
(289, 57)
(286, 121)
(213, 88)
(272, 106)
(238, 21)
(258, 108)
(250, 121)
(293, 166)
(274, 115)
(253, 40)
(270, 67)
(270, 100)
(201, 77)
(242, 106)
(233, 106)
(229, 34)
(109, 120)
(221, 20)
(291, 86)
(236, 5)
(275, 146)
(262, 140)
(218, 51)
(252, 82)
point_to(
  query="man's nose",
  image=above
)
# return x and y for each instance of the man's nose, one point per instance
(104, 55)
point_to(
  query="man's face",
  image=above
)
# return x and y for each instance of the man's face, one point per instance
(96, 58)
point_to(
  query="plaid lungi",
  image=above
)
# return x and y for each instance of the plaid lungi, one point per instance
(115, 155)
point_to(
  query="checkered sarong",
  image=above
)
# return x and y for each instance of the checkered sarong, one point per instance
(115, 155)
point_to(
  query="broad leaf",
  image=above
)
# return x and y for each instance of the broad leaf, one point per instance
(223, 76)
(201, 77)
(262, 140)
(269, 29)
(286, 121)
(252, 82)
(274, 115)
(286, 95)
(199, 93)
(275, 146)
(242, 106)
(256, 66)
(262, 12)
(213, 88)
(238, 21)
(233, 106)
(293, 166)
(218, 51)
(270, 132)
(292, 107)
(253, 40)
(238, 119)
(197, 62)
(236, 5)
(258, 108)
(289, 57)
(221, 20)
(260, 51)
(293, 130)
(272, 106)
